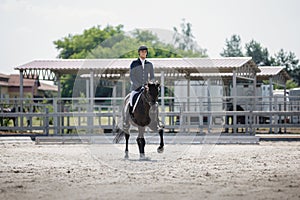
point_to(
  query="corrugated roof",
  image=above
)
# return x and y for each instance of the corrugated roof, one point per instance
(264, 74)
(264, 71)
(268, 71)
(47, 87)
(182, 64)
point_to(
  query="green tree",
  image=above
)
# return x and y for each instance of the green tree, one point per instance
(291, 84)
(112, 42)
(233, 47)
(296, 75)
(291, 63)
(119, 48)
(127, 47)
(145, 36)
(79, 46)
(261, 57)
(259, 54)
(287, 59)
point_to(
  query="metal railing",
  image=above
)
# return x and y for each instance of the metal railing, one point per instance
(57, 116)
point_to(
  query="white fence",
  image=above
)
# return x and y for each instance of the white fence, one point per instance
(57, 116)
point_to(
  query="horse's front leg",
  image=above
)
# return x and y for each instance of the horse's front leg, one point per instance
(160, 149)
(127, 135)
(155, 125)
(141, 142)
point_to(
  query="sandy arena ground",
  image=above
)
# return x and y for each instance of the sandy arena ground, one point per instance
(270, 170)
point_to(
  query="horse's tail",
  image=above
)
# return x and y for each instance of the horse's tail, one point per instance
(119, 137)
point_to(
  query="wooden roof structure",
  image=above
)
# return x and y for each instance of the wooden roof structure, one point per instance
(169, 69)
(115, 68)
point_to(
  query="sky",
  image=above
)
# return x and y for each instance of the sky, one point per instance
(29, 27)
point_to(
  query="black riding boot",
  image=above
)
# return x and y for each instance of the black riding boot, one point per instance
(141, 143)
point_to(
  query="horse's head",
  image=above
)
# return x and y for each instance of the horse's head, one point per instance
(152, 91)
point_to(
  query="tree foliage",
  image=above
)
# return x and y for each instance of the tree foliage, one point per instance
(79, 46)
(291, 63)
(127, 47)
(287, 59)
(233, 47)
(113, 42)
(259, 54)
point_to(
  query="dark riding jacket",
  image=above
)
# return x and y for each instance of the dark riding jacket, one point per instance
(139, 75)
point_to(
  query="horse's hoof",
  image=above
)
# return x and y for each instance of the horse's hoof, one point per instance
(143, 157)
(126, 155)
(160, 149)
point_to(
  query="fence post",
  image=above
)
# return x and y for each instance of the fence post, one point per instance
(162, 94)
(276, 116)
(209, 117)
(55, 118)
(200, 115)
(46, 121)
(234, 123)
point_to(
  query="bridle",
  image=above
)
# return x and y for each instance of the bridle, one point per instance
(150, 99)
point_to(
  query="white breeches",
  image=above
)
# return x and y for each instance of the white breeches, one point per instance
(131, 96)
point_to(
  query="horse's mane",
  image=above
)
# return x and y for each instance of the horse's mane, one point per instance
(141, 113)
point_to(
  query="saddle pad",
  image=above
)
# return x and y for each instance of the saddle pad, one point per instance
(135, 97)
(135, 100)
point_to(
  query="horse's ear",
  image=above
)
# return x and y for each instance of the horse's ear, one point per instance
(157, 83)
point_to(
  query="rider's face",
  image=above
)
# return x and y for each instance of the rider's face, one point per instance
(143, 54)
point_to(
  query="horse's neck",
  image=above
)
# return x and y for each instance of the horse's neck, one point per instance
(144, 101)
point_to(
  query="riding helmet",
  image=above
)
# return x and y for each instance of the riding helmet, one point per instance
(143, 47)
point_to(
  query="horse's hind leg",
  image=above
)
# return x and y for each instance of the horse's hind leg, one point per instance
(127, 135)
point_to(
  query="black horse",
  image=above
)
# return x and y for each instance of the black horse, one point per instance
(240, 119)
(144, 113)
(4, 120)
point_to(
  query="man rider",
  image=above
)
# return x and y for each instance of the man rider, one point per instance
(141, 71)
